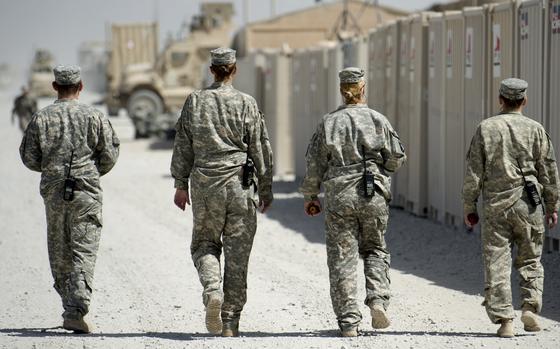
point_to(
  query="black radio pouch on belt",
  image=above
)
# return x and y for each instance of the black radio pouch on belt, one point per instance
(69, 182)
(248, 172)
(248, 166)
(530, 189)
(368, 180)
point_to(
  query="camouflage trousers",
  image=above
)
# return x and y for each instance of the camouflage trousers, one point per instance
(357, 229)
(225, 218)
(523, 226)
(73, 233)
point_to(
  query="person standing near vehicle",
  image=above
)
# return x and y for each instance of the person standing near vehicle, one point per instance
(222, 153)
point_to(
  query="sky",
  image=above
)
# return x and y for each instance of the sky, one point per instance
(62, 25)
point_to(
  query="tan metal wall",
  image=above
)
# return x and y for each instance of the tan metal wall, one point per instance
(502, 18)
(276, 108)
(417, 201)
(454, 111)
(436, 118)
(530, 36)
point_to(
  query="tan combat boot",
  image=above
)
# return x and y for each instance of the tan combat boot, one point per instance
(352, 332)
(530, 321)
(213, 315)
(379, 317)
(77, 325)
(506, 328)
(230, 329)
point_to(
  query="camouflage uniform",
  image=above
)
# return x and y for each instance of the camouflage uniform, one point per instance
(501, 145)
(354, 224)
(73, 227)
(24, 107)
(218, 128)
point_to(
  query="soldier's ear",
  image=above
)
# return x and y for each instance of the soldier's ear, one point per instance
(524, 101)
(80, 86)
(55, 86)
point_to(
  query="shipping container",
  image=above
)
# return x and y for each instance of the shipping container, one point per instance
(276, 109)
(392, 42)
(392, 89)
(400, 196)
(249, 77)
(417, 201)
(436, 118)
(553, 92)
(376, 65)
(335, 63)
(300, 109)
(454, 113)
(530, 54)
(501, 38)
(476, 62)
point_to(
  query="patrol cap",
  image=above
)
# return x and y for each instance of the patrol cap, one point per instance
(223, 56)
(351, 75)
(513, 89)
(67, 74)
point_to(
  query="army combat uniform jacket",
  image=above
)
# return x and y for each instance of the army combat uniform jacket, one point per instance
(354, 224)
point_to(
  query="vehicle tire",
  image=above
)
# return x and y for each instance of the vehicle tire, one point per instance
(143, 107)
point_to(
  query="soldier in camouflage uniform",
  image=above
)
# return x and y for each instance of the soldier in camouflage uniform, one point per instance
(505, 149)
(24, 107)
(219, 129)
(68, 140)
(349, 141)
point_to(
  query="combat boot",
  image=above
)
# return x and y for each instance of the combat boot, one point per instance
(379, 317)
(78, 325)
(530, 321)
(213, 315)
(230, 328)
(351, 332)
(506, 328)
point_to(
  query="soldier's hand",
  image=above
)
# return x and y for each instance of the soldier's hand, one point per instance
(312, 208)
(471, 219)
(552, 219)
(182, 198)
(264, 205)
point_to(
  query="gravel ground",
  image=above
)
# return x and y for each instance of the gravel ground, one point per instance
(147, 293)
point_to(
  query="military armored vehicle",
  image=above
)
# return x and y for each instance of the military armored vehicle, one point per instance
(150, 85)
(40, 74)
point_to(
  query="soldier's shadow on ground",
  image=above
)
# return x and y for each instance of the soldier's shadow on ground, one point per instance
(446, 256)
(59, 332)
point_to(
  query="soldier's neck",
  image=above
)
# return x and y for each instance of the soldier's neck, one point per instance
(69, 97)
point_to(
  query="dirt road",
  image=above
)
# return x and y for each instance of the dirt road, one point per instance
(147, 294)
